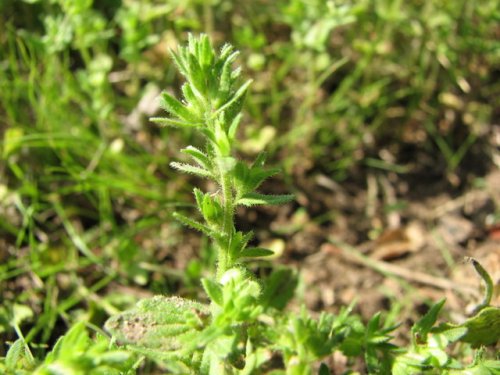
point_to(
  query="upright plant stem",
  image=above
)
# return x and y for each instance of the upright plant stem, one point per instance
(225, 261)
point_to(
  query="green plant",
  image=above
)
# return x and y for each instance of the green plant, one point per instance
(245, 329)
(67, 168)
(74, 353)
(230, 333)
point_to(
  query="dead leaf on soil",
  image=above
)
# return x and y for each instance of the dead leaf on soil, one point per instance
(394, 243)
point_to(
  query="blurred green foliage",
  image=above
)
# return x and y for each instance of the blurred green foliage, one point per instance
(86, 193)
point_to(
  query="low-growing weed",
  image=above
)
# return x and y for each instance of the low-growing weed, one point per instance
(86, 194)
(246, 329)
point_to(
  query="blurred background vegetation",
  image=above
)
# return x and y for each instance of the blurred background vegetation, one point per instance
(341, 88)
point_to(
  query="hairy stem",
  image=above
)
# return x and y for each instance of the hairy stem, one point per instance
(225, 262)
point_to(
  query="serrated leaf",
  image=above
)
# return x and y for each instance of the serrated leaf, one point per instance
(213, 290)
(255, 252)
(253, 199)
(191, 169)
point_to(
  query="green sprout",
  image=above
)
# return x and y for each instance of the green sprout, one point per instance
(245, 327)
(212, 103)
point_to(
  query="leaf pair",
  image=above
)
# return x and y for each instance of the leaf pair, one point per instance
(237, 295)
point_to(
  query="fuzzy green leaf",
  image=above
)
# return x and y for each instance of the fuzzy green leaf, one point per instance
(180, 62)
(193, 224)
(424, 325)
(279, 288)
(233, 128)
(213, 290)
(222, 142)
(483, 328)
(255, 252)
(15, 353)
(198, 156)
(198, 195)
(225, 51)
(196, 76)
(226, 164)
(260, 160)
(191, 169)
(238, 242)
(196, 101)
(238, 95)
(75, 340)
(254, 199)
(158, 323)
(206, 53)
(211, 209)
(454, 334)
(164, 121)
(176, 108)
(225, 77)
(249, 179)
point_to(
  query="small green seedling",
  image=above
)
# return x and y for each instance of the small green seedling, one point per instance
(428, 353)
(245, 329)
(74, 353)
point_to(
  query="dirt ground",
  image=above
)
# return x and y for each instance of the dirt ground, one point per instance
(416, 253)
